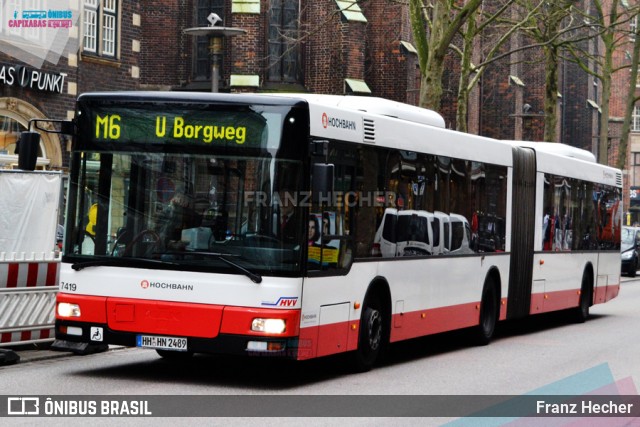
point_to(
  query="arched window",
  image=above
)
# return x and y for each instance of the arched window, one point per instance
(9, 133)
(14, 118)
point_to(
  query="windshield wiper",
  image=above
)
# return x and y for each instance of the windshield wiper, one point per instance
(255, 278)
(117, 261)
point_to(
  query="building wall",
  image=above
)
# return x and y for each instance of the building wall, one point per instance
(390, 69)
(325, 59)
(154, 53)
(165, 54)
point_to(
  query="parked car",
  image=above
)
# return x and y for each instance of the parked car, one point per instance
(630, 249)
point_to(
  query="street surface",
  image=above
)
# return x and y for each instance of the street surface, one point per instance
(525, 356)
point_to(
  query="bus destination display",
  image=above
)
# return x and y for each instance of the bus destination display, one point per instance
(199, 127)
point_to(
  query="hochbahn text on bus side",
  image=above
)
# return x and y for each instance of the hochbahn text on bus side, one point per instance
(301, 226)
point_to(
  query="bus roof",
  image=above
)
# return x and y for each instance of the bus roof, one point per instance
(185, 97)
(354, 118)
(559, 149)
(372, 105)
(551, 157)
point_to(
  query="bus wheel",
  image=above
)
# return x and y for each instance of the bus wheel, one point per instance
(489, 310)
(581, 313)
(174, 355)
(370, 338)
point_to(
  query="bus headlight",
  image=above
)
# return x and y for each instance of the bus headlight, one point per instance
(269, 326)
(66, 309)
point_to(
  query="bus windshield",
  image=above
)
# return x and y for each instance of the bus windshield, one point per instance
(186, 210)
(187, 187)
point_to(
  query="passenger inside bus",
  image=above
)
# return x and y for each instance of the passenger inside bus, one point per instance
(88, 242)
(178, 215)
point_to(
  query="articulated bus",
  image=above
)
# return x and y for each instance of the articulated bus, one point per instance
(301, 226)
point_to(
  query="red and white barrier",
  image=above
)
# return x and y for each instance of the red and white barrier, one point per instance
(28, 290)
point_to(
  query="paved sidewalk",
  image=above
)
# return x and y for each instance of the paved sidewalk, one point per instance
(34, 352)
(29, 353)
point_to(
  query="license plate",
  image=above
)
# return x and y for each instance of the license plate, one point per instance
(163, 343)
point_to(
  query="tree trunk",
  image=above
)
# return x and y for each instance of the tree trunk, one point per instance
(551, 94)
(603, 142)
(464, 86)
(431, 87)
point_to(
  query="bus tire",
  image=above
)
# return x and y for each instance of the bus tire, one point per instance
(372, 335)
(489, 312)
(174, 355)
(581, 313)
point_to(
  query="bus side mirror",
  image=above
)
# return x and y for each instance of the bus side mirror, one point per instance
(322, 184)
(27, 150)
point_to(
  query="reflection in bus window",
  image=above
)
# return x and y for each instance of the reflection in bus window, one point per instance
(579, 215)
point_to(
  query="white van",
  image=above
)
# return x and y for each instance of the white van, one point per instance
(419, 233)
(404, 233)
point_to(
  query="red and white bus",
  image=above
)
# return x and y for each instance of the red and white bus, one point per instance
(252, 224)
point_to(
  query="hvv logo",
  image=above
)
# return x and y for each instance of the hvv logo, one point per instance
(282, 302)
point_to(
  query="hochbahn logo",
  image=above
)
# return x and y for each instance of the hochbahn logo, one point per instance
(338, 123)
(145, 284)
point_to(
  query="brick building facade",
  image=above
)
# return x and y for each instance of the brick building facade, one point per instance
(325, 46)
(366, 51)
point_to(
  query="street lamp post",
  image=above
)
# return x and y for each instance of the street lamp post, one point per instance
(216, 33)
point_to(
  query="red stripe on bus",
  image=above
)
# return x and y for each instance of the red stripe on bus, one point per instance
(5, 337)
(600, 295)
(553, 301)
(612, 292)
(503, 309)
(45, 333)
(308, 343)
(338, 337)
(432, 321)
(335, 338)
(561, 300)
(25, 335)
(12, 276)
(164, 317)
(316, 341)
(237, 320)
(32, 274)
(92, 309)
